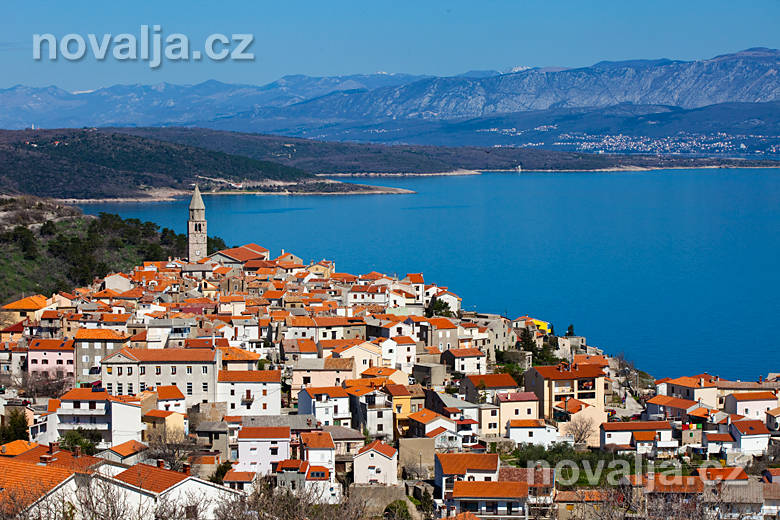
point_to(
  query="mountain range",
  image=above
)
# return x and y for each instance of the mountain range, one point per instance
(738, 91)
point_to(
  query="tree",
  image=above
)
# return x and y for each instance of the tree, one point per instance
(438, 308)
(86, 440)
(427, 505)
(581, 429)
(220, 472)
(172, 447)
(16, 427)
(570, 330)
(527, 341)
(397, 510)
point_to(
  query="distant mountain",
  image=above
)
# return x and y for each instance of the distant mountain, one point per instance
(296, 104)
(165, 103)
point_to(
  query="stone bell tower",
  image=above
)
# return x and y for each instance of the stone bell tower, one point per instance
(196, 228)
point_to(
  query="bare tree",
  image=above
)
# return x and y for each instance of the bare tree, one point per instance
(581, 429)
(173, 447)
(273, 502)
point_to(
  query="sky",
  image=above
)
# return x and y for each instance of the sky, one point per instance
(339, 37)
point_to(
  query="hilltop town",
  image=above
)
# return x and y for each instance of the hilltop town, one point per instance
(242, 383)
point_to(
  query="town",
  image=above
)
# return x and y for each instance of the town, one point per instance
(241, 383)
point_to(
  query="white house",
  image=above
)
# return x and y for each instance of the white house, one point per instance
(318, 449)
(621, 433)
(171, 399)
(250, 392)
(533, 431)
(329, 404)
(751, 405)
(93, 409)
(259, 447)
(376, 463)
(751, 437)
(453, 467)
(467, 361)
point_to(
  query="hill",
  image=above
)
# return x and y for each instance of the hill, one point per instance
(89, 164)
(49, 247)
(327, 158)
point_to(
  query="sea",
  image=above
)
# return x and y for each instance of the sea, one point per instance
(679, 270)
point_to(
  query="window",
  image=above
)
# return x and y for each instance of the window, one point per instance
(493, 413)
(108, 387)
(189, 388)
(76, 404)
(189, 369)
(517, 411)
(265, 406)
(274, 451)
(129, 388)
(204, 369)
(530, 434)
(265, 392)
(129, 371)
(109, 370)
(158, 370)
(92, 405)
(205, 387)
(232, 406)
(119, 388)
(173, 370)
(528, 411)
(380, 427)
(232, 391)
(142, 386)
(379, 414)
(142, 370)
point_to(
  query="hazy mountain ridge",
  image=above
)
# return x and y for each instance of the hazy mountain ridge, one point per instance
(297, 103)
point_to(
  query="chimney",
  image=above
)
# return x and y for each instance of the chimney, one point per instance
(160, 463)
(53, 447)
(45, 459)
(77, 451)
(186, 468)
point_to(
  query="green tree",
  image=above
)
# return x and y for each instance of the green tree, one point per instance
(397, 510)
(438, 308)
(87, 440)
(219, 475)
(15, 428)
(426, 505)
(527, 341)
(48, 228)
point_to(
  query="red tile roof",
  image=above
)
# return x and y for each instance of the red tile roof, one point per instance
(169, 392)
(563, 371)
(150, 478)
(317, 440)
(250, 376)
(495, 381)
(751, 427)
(477, 489)
(460, 463)
(379, 446)
(264, 432)
(128, 448)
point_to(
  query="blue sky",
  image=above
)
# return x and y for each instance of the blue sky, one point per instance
(423, 36)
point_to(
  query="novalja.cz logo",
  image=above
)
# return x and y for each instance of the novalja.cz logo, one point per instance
(150, 45)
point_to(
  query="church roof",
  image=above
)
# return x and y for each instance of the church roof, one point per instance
(197, 200)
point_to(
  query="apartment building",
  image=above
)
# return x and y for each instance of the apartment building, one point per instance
(250, 392)
(193, 371)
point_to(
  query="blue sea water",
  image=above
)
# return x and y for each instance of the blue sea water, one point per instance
(676, 268)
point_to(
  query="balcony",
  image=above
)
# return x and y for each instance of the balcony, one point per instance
(247, 398)
(84, 425)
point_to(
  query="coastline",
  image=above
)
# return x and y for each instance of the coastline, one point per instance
(171, 195)
(404, 174)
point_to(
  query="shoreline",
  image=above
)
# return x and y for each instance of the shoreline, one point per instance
(404, 174)
(174, 195)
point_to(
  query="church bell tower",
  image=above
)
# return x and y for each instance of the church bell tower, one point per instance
(196, 228)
